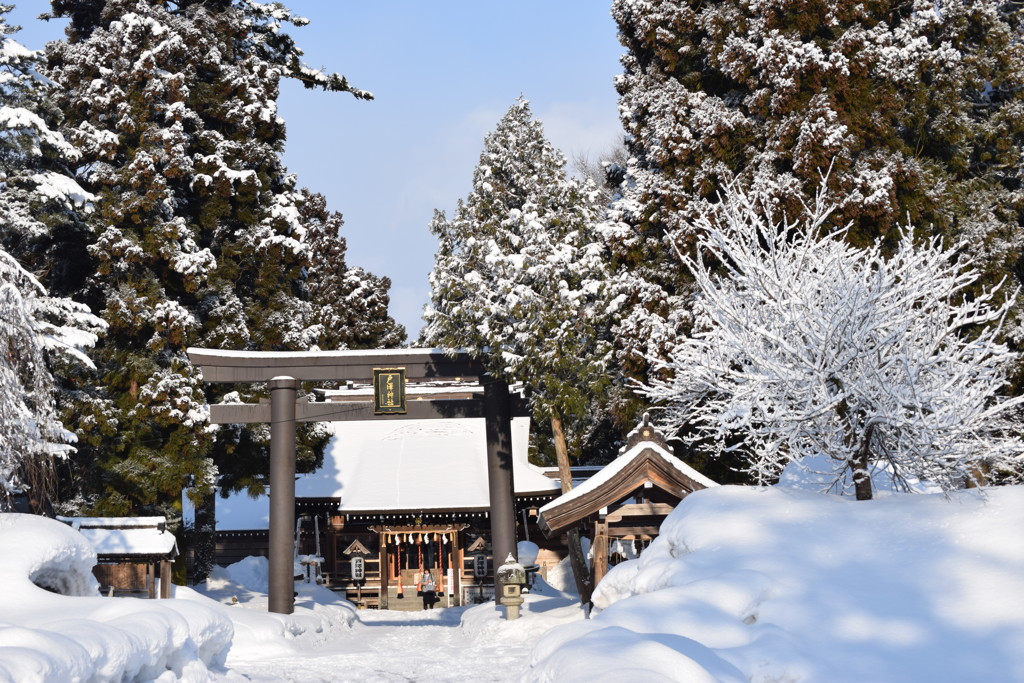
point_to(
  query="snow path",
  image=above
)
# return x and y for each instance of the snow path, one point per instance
(397, 646)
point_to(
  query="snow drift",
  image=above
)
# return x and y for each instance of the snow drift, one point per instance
(54, 626)
(240, 590)
(771, 584)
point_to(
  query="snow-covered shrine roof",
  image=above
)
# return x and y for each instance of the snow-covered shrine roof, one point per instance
(643, 443)
(400, 466)
(126, 537)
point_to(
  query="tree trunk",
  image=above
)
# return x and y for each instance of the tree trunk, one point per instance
(576, 558)
(861, 465)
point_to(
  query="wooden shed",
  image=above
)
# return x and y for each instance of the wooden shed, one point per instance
(131, 553)
(627, 500)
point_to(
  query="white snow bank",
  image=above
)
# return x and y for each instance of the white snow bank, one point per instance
(55, 627)
(241, 589)
(782, 585)
(543, 608)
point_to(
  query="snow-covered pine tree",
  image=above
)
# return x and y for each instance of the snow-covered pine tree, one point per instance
(520, 276)
(520, 279)
(914, 105)
(40, 335)
(36, 332)
(808, 349)
(350, 305)
(197, 238)
(41, 201)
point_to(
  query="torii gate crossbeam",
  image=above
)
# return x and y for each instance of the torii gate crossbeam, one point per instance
(284, 370)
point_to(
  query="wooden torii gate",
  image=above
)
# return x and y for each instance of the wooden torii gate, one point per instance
(283, 371)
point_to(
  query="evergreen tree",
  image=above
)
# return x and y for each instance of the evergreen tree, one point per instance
(519, 279)
(40, 335)
(350, 305)
(197, 239)
(37, 332)
(41, 201)
(911, 108)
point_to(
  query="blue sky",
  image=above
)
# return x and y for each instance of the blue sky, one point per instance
(443, 74)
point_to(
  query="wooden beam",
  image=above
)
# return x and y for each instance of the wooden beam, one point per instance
(262, 366)
(385, 577)
(418, 528)
(248, 413)
(623, 531)
(640, 510)
(165, 579)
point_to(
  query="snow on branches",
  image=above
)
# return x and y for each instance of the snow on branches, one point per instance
(805, 346)
(33, 325)
(520, 276)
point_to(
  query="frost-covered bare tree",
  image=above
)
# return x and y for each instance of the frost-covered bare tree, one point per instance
(805, 346)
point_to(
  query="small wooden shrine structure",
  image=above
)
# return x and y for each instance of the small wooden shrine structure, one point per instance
(625, 502)
(131, 552)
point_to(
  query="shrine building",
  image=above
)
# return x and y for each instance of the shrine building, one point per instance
(402, 495)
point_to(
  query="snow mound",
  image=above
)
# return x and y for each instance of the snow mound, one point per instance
(543, 608)
(250, 574)
(240, 590)
(774, 584)
(63, 564)
(55, 627)
(561, 576)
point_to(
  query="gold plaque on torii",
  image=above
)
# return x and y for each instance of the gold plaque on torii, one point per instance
(389, 391)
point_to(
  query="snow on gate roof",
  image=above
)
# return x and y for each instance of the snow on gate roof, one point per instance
(400, 465)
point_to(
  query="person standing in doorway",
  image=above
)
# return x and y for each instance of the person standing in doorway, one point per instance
(428, 589)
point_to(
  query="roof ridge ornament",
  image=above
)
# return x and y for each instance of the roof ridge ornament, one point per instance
(646, 432)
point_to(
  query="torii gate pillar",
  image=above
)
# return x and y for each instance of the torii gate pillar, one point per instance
(499, 473)
(281, 572)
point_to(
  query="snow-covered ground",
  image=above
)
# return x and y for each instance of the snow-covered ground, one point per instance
(775, 584)
(745, 584)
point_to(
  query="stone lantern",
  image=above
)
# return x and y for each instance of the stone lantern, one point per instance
(511, 577)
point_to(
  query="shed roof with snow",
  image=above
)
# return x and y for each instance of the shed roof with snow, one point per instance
(646, 462)
(126, 539)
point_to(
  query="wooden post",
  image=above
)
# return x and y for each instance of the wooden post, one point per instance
(600, 550)
(459, 566)
(499, 473)
(385, 572)
(165, 579)
(151, 579)
(453, 558)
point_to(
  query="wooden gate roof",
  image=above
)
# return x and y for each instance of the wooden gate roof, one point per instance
(646, 460)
